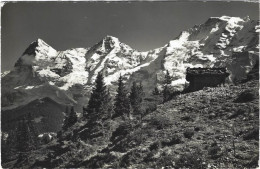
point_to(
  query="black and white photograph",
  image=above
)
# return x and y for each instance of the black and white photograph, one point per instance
(130, 84)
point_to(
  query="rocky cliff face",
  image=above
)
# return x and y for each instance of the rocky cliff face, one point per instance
(67, 76)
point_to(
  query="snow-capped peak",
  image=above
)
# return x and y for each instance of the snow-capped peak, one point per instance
(229, 18)
(38, 46)
(110, 42)
(109, 37)
(41, 43)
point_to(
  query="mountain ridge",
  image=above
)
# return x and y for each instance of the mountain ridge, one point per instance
(224, 41)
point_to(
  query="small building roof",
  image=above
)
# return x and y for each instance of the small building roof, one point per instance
(207, 71)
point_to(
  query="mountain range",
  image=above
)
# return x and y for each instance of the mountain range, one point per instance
(58, 78)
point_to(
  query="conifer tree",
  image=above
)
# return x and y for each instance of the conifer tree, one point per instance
(141, 91)
(166, 94)
(107, 106)
(167, 78)
(23, 137)
(156, 91)
(133, 94)
(72, 117)
(33, 133)
(8, 145)
(93, 110)
(66, 118)
(122, 104)
(166, 90)
(99, 109)
(136, 97)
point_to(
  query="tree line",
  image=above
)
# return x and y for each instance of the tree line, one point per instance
(100, 107)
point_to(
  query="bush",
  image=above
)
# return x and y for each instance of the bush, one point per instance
(176, 139)
(187, 117)
(247, 96)
(122, 130)
(155, 146)
(188, 133)
(191, 160)
(151, 108)
(132, 157)
(161, 122)
(165, 161)
(253, 134)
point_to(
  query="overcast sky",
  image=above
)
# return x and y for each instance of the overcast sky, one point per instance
(142, 25)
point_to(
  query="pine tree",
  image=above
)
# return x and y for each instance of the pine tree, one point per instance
(66, 119)
(23, 137)
(167, 78)
(93, 110)
(136, 98)
(166, 90)
(72, 117)
(133, 94)
(107, 107)
(141, 91)
(156, 91)
(166, 94)
(33, 133)
(122, 104)
(98, 110)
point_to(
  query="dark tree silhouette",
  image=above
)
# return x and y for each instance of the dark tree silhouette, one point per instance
(106, 106)
(66, 118)
(136, 98)
(167, 78)
(33, 132)
(166, 90)
(26, 136)
(72, 117)
(122, 104)
(97, 99)
(156, 91)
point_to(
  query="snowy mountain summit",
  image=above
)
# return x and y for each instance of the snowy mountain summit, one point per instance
(67, 76)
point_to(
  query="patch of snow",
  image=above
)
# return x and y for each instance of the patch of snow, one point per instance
(3, 74)
(50, 135)
(234, 24)
(239, 48)
(51, 83)
(18, 87)
(215, 29)
(257, 28)
(115, 76)
(47, 73)
(78, 75)
(178, 82)
(29, 87)
(178, 43)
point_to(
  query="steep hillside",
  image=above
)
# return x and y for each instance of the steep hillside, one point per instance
(210, 128)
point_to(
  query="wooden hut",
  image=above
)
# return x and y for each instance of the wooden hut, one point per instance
(205, 77)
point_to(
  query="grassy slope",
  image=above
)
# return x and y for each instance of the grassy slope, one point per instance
(194, 130)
